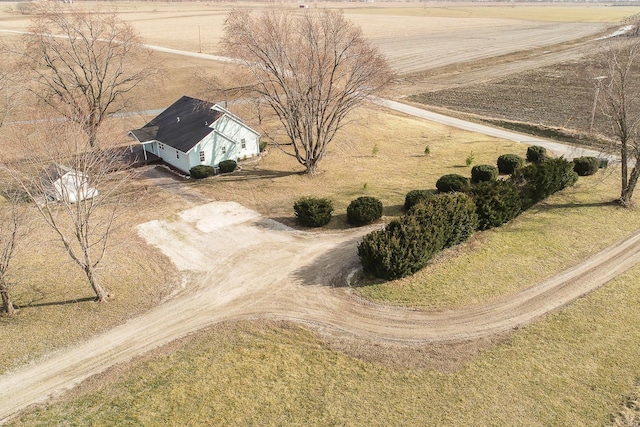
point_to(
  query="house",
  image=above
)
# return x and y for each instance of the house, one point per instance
(61, 183)
(193, 132)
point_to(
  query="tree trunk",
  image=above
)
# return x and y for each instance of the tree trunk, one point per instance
(7, 305)
(312, 168)
(627, 190)
(101, 294)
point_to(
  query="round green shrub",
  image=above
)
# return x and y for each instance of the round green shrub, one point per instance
(508, 163)
(400, 249)
(202, 171)
(414, 197)
(451, 183)
(482, 173)
(496, 202)
(364, 210)
(536, 154)
(227, 166)
(586, 165)
(313, 211)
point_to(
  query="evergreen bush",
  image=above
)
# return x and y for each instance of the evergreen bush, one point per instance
(407, 244)
(451, 183)
(497, 202)
(586, 165)
(538, 181)
(482, 173)
(400, 249)
(313, 211)
(227, 166)
(453, 213)
(536, 154)
(508, 163)
(413, 197)
(364, 210)
(202, 171)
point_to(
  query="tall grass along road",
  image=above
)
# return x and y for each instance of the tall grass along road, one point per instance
(262, 269)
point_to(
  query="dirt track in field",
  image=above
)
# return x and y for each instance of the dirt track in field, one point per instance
(241, 266)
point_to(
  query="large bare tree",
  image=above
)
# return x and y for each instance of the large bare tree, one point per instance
(80, 192)
(312, 68)
(621, 105)
(85, 64)
(12, 227)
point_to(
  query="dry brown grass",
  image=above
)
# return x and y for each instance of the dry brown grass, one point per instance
(572, 368)
(351, 169)
(54, 301)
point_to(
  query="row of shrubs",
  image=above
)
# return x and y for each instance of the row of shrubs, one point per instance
(407, 244)
(434, 222)
(205, 171)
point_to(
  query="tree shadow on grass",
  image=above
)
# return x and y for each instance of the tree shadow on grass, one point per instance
(55, 303)
(546, 207)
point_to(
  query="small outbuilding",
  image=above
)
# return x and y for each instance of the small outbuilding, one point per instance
(61, 183)
(193, 132)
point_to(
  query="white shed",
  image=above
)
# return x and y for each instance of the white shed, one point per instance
(65, 184)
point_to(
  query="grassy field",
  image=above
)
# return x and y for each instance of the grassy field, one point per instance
(572, 368)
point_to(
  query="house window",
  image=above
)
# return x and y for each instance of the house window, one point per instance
(177, 154)
(243, 143)
(161, 145)
(224, 149)
(202, 156)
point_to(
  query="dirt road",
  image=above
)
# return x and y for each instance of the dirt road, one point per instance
(242, 266)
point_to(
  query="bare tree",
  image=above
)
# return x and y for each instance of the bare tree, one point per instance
(621, 105)
(11, 233)
(312, 68)
(86, 64)
(80, 192)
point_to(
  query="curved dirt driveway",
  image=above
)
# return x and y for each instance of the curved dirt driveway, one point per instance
(242, 266)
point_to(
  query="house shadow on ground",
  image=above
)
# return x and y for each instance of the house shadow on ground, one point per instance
(254, 174)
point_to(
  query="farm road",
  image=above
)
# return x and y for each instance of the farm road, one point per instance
(568, 151)
(259, 268)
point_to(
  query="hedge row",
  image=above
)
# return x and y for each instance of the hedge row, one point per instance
(407, 244)
(435, 222)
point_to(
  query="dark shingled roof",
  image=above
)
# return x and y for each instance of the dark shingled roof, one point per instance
(182, 125)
